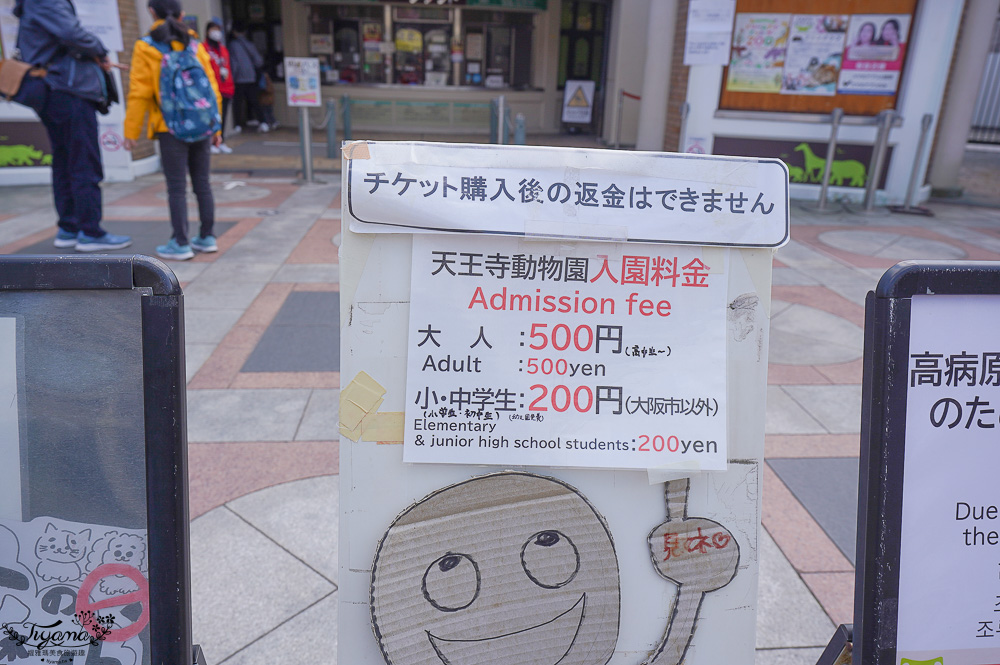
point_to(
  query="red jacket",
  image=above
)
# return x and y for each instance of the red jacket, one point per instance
(223, 72)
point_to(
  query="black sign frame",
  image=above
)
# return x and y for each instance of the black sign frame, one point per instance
(165, 420)
(883, 433)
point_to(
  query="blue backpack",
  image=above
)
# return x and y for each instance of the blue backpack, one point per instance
(187, 100)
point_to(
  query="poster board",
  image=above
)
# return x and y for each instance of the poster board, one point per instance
(302, 81)
(798, 85)
(578, 102)
(926, 585)
(459, 560)
(94, 558)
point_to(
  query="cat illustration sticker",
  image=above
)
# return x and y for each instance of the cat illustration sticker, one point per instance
(60, 552)
(72, 593)
(515, 568)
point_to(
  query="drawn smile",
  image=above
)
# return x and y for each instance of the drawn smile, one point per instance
(557, 635)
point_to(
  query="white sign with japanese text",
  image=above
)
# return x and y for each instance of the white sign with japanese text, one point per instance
(404, 187)
(709, 32)
(566, 354)
(101, 18)
(949, 580)
(302, 81)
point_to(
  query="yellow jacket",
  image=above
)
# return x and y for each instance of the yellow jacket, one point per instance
(144, 86)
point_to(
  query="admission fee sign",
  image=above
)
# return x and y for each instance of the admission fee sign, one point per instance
(538, 352)
(552, 426)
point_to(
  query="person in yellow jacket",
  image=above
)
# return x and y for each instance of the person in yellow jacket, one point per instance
(177, 157)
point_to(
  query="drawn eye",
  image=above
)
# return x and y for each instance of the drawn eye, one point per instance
(52, 540)
(550, 559)
(451, 582)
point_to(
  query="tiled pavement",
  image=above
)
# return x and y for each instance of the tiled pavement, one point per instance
(263, 387)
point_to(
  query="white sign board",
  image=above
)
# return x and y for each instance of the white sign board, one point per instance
(578, 102)
(949, 579)
(709, 32)
(568, 193)
(584, 354)
(565, 342)
(302, 81)
(101, 18)
(10, 441)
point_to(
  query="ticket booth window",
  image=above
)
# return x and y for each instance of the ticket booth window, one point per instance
(497, 49)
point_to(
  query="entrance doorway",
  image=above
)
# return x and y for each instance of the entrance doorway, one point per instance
(583, 51)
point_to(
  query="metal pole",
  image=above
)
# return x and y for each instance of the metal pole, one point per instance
(682, 135)
(520, 135)
(831, 149)
(878, 157)
(501, 120)
(345, 103)
(305, 139)
(618, 127)
(494, 127)
(331, 129)
(925, 126)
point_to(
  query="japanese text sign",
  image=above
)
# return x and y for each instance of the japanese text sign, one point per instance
(567, 193)
(581, 354)
(949, 579)
(302, 81)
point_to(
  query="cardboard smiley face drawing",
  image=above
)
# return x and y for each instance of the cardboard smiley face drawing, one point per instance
(506, 568)
(520, 569)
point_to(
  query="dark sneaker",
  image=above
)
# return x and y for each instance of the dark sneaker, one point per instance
(65, 239)
(174, 251)
(108, 241)
(206, 244)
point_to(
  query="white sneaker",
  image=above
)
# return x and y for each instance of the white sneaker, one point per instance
(225, 148)
(215, 150)
(263, 128)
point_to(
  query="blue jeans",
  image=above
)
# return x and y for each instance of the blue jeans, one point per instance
(178, 159)
(71, 123)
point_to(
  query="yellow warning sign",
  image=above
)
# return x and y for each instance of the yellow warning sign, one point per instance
(578, 99)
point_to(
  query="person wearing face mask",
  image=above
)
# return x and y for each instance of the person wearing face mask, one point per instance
(223, 73)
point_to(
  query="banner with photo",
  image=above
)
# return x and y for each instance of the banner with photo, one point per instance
(873, 58)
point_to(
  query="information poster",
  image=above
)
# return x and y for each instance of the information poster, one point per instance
(813, 57)
(8, 28)
(583, 355)
(578, 102)
(758, 53)
(101, 18)
(873, 58)
(709, 32)
(949, 568)
(302, 81)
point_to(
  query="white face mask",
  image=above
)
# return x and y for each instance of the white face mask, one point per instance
(215, 35)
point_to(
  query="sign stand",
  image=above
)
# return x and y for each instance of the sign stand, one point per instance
(927, 587)
(551, 415)
(302, 90)
(93, 444)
